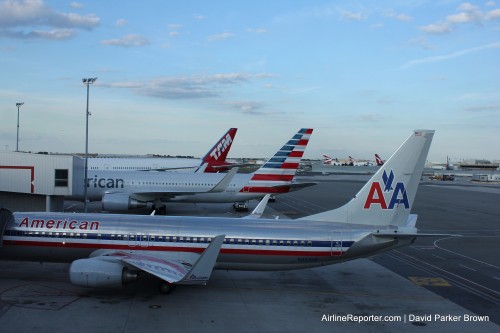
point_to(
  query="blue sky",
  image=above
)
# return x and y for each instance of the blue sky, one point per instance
(174, 76)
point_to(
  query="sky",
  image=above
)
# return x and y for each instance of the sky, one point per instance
(173, 76)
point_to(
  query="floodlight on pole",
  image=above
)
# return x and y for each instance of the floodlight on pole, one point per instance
(87, 82)
(17, 140)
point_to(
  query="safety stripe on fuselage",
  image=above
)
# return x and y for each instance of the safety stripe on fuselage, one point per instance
(138, 247)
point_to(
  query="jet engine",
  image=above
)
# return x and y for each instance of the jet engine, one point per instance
(120, 202)
(100, 273)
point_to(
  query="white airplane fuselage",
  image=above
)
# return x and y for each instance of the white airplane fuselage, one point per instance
(100, 182)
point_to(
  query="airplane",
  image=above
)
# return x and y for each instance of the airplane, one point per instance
(124, 190)
(353, 162)
(108, 250)
(327, 160)
(215, 159)
(378, 160)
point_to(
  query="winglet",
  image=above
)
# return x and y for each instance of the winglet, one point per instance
(224, 183)
(259, 210)
(203, 267)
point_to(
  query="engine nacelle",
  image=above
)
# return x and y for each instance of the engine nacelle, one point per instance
(120, 202)
(100, 273)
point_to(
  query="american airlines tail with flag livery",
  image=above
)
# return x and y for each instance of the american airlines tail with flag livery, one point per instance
(277, 174)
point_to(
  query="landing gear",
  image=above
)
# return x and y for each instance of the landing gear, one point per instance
(160, 209)
(240, 206)
(166, 287)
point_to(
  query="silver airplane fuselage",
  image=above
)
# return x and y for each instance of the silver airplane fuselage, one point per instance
(250, 244)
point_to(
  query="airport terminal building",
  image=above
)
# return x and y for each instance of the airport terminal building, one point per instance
(38, 182)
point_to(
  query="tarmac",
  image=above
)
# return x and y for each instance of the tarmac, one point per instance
(419, 288)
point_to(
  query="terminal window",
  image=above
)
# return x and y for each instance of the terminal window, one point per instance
(61, 178)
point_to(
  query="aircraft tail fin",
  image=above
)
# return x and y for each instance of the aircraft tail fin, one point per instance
(217, 155)
(276, 175)
(379, 160)
(387, 198)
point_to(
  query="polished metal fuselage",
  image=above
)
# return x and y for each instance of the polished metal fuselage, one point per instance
(250, 244)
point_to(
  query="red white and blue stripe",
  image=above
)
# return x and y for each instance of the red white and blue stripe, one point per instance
(276, 175)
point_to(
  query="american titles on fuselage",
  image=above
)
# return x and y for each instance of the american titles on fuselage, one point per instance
(59, 224)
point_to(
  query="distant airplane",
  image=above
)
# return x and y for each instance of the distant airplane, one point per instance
(215, 159)
(327, 160)
(124, 190)
(378, 160)
(107, 250)
(353, 162)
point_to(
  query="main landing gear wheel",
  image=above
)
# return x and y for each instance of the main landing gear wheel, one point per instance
(166, 287)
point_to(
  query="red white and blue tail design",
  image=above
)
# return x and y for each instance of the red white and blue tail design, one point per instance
(276, 175)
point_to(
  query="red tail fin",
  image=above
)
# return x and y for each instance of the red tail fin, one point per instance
(216, 156)
(379, 160)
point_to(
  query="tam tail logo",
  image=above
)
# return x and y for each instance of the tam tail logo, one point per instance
(377, 194)
(221, 147)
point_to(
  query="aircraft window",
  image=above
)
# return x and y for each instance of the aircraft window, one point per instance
(275, 242)
(49, 234)
(209, 239)
(309, 243)
(195, 240)
(181, 239)
(288, 243)
(254, 242)
(239, 240)
(231, 240)
(302, 243)
(99, 236)
(144, 238)
(125, 237)
(282, 243)
(152, 238)
(71, 235)
(246, 241)
(188, 239)
(268, 242)
(63, 235)
(160, 238)
(77, 235)
(295, 243)
(261, 242)
(174, 239)
(112, 237)
(36, 234)
(202, 239)
(119, 237)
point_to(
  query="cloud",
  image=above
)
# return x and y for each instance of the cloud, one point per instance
(174, 26)
(247, 107)
(221, 36)
(76, 5)
(189, 87)
(493, 15)
(352, 16)
(20, 14)
(450, 56)
(257, 30)
(397, 16)
(199, 17)
(121, 22)
(468, 13)
(132, 40)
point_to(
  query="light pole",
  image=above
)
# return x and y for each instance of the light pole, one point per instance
(87, 82)
(17, 141)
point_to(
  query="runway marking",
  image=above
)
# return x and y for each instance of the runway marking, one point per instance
(464, 256)
(424, 247)
(438, 257)
(426, 281)
(496, 278)
(472, 269)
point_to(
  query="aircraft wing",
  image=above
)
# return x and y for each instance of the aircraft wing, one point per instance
(172, 193)
(179, 267)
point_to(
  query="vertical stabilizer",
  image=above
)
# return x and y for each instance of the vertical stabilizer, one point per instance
(387, 198)
(216, 156)
(276, 175)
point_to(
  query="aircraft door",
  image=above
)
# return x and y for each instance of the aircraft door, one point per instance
(336, 243)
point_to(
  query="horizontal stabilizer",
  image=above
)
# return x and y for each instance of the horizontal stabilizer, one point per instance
(224, 183)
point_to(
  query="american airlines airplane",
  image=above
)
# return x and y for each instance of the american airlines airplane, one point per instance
(124, 190)
(107, 250)
(215, 159)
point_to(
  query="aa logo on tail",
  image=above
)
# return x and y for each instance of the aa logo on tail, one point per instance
(377, 195)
